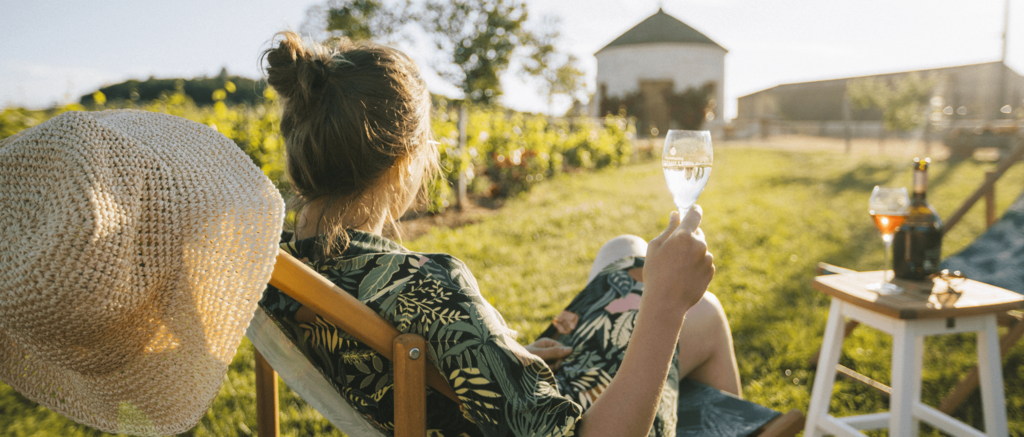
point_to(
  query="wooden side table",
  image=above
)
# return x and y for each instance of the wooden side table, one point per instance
(926, 308)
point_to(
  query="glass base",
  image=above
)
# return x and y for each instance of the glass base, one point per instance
(885, 288)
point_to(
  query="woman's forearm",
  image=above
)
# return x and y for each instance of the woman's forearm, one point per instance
(627, 407)
(677, 271)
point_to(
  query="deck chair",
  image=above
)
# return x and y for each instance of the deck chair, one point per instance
(414, 372)
(996, 257)
(412, 368)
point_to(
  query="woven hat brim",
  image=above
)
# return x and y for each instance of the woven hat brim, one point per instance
(168, 349)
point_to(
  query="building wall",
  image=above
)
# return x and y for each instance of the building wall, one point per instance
(976, 89)
(970, 92)
(620, 69)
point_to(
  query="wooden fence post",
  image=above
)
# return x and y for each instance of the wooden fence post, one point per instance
(990, 201)
(927, 136)
(460, 185)
(990, 181)
(847, 123)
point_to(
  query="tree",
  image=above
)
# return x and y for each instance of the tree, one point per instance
(567, 80)
(477, 40)
(378, 20)
(559, 73)
(901, 100)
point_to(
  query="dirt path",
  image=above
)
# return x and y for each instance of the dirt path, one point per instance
(415, 224)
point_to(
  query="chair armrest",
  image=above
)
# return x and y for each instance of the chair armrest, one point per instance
(339, 308)
(829, 269)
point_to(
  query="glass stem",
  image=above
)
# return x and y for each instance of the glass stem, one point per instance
(885, 259)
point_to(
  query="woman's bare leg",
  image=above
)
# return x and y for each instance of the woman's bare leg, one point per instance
(706, 353)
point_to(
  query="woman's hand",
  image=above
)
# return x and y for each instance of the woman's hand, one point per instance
(678, 267)
(551, 351)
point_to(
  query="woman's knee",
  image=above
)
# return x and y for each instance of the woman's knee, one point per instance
(625, 245)
(616, 249)
(708, 316)
(705, 346)
(710, 302)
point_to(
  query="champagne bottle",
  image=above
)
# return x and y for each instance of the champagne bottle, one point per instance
(917, 245)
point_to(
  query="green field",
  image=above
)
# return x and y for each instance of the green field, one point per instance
(770, 216)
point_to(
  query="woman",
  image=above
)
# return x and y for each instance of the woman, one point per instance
(357, 129)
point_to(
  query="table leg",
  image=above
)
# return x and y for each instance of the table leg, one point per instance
(918, 377)
(825, 376)
(907, 359)
(990, 372)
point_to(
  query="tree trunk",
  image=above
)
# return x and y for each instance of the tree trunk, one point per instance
(460, 185)
(847, 124)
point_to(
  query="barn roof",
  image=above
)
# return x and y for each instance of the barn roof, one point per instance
(661, 27)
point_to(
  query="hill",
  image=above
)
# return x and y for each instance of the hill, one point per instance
(200, 89)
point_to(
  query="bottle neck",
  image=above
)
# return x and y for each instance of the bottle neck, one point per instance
(920, 184)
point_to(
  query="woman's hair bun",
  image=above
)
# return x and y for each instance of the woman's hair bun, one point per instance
(297, 71)
(355, 116)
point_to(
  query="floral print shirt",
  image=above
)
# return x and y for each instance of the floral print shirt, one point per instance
(505, 390)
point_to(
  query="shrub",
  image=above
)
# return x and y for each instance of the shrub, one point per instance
(515, 150)
(511, 151)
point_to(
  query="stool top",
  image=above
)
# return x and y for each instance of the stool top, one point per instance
(922, 299)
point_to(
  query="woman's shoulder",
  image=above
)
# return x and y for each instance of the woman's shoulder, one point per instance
(377, 271)
(449, 269)
(372, 257)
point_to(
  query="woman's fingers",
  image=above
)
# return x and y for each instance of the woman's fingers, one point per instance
(691, 222)
(673, 223)
(549, 350)
(678, 266)
(699, 234)
(553, 353)
(544, 342)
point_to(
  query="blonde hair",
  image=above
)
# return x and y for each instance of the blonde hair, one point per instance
(354, 116)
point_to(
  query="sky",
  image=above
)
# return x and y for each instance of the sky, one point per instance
(55, 51)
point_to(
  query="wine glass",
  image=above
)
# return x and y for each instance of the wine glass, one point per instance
(687, 160)
(888, 207)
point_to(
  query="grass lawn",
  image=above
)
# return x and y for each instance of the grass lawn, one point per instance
(770, 216)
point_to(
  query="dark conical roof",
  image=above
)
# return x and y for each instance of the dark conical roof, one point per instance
(661, 27)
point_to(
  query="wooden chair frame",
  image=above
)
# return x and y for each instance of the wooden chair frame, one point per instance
(412, 367)
(1012, 319)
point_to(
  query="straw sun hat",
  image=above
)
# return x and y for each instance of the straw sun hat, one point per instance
(133, 249)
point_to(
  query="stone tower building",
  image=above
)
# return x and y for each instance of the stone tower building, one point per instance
(657, 58)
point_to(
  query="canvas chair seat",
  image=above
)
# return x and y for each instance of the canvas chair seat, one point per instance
(997, 256)
(304, 379)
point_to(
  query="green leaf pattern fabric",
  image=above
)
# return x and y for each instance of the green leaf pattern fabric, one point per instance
(505, 390)
(599, 341)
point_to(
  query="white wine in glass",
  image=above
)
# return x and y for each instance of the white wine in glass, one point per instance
(687, 160)
(888, 208)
